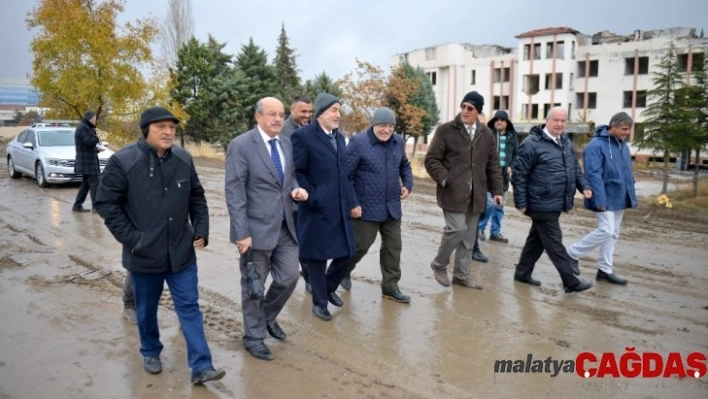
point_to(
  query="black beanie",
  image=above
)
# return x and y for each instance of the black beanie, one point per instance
(475, 99)
(155, 114)
(88, 115)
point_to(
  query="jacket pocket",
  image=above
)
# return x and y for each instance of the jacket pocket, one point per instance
(256, 213)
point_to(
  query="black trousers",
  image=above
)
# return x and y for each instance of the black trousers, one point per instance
(545, 234)
(89, 183)
(323, 279)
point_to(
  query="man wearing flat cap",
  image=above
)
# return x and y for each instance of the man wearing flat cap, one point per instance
(463, 160)
(377, 166)
(324, 225)
(152, 202)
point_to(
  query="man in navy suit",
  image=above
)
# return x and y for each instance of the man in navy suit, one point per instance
(260, 189)
(324, 221)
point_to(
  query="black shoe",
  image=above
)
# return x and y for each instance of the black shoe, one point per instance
(610, 277)
(346, 283)
(498, 238)
(321, 312)
(275, 331)
(481, 236)
(575, 266)
(208, 375)
(80, 209)
(260, 351)
(308, 288)
(152, 364)
(527, 280)
(581, 286)
(335, 300)
(397, 295)
(479, 256)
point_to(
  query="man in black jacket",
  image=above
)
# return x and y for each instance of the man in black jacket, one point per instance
(153, 203)
(545, 176)
(86, 163)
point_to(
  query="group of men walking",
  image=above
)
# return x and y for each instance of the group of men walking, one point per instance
(297, 193)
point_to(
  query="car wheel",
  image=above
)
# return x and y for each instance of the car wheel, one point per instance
(11, 169)
(39, 175)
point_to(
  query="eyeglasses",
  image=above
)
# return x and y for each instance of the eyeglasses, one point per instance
(466, 107)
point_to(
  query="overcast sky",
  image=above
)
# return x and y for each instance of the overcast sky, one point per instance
(329, 35)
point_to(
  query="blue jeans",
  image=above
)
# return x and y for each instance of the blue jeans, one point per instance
(493, 212)
(185, 296)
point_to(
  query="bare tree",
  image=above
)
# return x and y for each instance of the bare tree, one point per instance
(177, 28)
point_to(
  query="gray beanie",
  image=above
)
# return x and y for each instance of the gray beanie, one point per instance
(323, 102)
(383, 116)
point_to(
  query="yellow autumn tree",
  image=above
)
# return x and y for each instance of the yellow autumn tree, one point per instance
(363, 90)
(84, 60)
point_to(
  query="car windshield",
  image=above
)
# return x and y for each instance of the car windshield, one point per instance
(56, 138)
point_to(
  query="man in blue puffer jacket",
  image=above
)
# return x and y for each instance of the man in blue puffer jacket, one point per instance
(546, 175)
(608, 169)
(377, 166)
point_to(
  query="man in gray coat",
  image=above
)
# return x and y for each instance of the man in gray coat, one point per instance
(260, 189)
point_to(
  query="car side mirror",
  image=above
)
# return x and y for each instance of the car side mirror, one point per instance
(28, 145)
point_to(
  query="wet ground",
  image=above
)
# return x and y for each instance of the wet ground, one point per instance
(62, 335)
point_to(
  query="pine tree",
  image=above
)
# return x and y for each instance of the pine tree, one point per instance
(322, 83)
(698, 106)
(286, 74)
(252, 61)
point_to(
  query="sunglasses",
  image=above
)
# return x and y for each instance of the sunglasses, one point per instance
(466, 107)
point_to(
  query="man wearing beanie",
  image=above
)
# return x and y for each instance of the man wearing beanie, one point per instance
(152, 202)
(463, 160)
(324, 226)
(86, 165)
(377, 165)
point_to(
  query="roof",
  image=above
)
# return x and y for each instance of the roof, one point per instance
(547, 32)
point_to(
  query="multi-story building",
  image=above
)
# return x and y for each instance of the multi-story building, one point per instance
(593, 76)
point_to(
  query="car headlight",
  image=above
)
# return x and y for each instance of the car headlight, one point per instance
(58, 162)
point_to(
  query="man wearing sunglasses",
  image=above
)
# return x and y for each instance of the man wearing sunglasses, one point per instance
(464, 162)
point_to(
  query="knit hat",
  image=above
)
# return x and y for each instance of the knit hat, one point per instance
(88, 115)
(323, 102)
(383, 116)
(155, 114)
(475, 99)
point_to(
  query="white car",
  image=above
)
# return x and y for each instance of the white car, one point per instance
(47, 154)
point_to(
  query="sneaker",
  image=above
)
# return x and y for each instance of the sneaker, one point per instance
(208, 374)
(498, 238)
(482, 236)
(152, 364)
(129, 313)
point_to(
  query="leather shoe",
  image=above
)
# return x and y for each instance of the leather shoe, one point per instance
(346, 283)
(466, 283)
(152, 364)
(610, 278)
(527, 280)
(479, 256)
(440, 274)
(335, 300)
(80, 209)
(321, 312)
(581, 286)
(498, 238)
(575, 266)
(275, 331)
(208, 374)
(260, 351)
(397, 296)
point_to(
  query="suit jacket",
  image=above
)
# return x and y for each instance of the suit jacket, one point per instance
(255, 198)
(324, 221)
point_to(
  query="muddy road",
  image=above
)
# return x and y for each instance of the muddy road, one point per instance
(62, 334)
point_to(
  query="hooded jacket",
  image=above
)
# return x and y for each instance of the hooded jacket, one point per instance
(546, 174)
(511, 145)
(608, 169)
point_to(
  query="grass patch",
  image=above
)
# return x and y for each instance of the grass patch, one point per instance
(205, 150)
(684, 198)
(418, 167)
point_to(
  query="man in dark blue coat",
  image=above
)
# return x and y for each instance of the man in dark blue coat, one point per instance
(377, 165)
(545, 177)
(86, 163)
(324, 225)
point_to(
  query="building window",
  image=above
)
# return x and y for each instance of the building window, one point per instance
(531, 84)
(430, 53)
(527, 52)
(501, 102)
(696, 62)
(592, 100)
(433, 76)
(533, 114)
(641, 99)
(547, 108)
(403, 58)
(643, 66)
(570, 82)
(559, 81)
(572, 51)
(474, 77)
(502, 75)
(536, 49)
(593, 69)
(559, 52)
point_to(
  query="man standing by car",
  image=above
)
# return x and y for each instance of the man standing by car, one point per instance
(86, 164)
(153, 203)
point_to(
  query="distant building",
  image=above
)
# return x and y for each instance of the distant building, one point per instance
(18, 92)
(593, 76)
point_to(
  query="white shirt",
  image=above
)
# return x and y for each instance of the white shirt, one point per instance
(555, 139)
(473, 127)
(266, 140)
